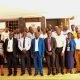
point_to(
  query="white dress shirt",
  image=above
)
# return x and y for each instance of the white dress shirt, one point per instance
(61, 41)
(36, 44)
(77, 41)
(30, 35)
(10, 45)
(27, 43)
(54, 34)
(43, 35)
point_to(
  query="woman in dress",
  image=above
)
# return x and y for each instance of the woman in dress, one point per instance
(69, 52)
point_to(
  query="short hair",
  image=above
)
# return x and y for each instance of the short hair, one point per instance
(72, 25)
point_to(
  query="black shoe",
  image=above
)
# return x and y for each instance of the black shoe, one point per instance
(9, 74)
(77, 72)
(57, 72)
(14, 74)
(35, 74)
(62, 73)
(53, 73)
(2, 74)
(22, 74)
(41, 74)
(48, 74)
(71, 72)
(30, 74)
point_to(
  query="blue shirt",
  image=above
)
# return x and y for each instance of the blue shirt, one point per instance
(72, 42)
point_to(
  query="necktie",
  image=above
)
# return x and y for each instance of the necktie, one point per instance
(24, 43)
(49, 44)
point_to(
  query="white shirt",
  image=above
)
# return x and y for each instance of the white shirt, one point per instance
(30, 35)
(65, 33)
(43, 35)
(54, 34)
(36, 44)
(77, 41)
(27, 43)
(4, 36)
(61, 41)
(10, 45)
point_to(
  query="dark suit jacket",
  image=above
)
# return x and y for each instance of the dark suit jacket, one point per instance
(15, 46)
(41, 47)
(53, 44)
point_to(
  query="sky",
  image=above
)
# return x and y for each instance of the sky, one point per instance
(32, 8)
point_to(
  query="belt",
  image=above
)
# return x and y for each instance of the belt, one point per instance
(77, 49)
(49, 51)
(59, 47)
(36, 51)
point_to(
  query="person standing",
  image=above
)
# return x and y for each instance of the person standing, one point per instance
(11, 47)
(37, 52)
(77, 51)
(24, 46)
(69, 52)
(1, 56)
(50, 46)
(4, 36)
(73, 31)
(59, 52)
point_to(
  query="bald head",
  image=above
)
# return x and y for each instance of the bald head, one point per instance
(58, 31)
(49, 33)
(24, 34)
(6, 29)
(37, 34)
(56, 28)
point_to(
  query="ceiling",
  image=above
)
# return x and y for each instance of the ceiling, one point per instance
(35, 8)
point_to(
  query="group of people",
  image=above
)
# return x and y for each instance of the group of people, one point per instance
(59, 48)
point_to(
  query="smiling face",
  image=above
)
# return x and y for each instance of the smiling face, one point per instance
(69, 35)
(24, 34)
(58, 31)
(49, 33)
(37, 34)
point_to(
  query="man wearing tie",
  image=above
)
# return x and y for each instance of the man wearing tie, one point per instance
(11, 47)
(24, 46)
(50, 45)
(37, 51)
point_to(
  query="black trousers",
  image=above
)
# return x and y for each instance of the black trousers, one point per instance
(59, 60)
(51, 63)
(11, 61)
(25, 57)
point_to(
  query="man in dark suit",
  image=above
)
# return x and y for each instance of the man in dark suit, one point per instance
(50, 45)
(11, 47)
(37, 51)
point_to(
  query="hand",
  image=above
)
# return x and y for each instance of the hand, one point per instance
(17, 56)
(23, 51)
(44, 60)
(49, 53)
(43, 55)
(62, 54)
(32, 56)
(2, 55)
